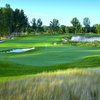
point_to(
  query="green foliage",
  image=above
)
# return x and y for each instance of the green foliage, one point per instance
(37, 26)
(62, 29)
(54, 25)
(6, 20)
(87, 44)
(76, 24)
(20, 21)
(86, 23)
(16, 22)
(97, 28)
(12, 21)
(34, 26)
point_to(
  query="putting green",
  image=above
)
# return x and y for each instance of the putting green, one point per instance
(45, 54)
(45, 57)
(51, 55)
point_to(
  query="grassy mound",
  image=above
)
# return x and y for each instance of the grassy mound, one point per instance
(46, 53)
(22, 77)
(46, 57)
(51, 55)
(12, 69)
(60, 85)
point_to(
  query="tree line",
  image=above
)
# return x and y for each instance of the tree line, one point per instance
(15, 22)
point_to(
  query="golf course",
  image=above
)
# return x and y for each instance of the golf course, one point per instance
(48, 54)
(49, 50)
(49, 57)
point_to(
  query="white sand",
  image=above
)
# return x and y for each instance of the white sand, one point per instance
(1, 41)
(84, 39)
(21, 50)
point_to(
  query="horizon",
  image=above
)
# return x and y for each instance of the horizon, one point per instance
(62, 10)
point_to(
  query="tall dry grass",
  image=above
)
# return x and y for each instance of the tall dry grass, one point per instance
(73, 84)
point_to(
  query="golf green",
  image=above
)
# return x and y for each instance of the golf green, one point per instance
(45, 57)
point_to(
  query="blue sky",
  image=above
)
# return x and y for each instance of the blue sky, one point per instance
(64, 10)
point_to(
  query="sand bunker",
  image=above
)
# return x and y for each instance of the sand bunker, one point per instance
(84, 39)
(18, 50)
(1, 41)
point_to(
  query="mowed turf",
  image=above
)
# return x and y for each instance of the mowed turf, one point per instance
(45, 57)
(51, 55)
(29, 41)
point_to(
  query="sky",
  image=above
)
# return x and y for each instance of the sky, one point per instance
(63, 10)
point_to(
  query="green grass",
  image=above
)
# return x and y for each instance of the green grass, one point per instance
(51, 55)
(46, 56)
(8, 69)
(50, 72)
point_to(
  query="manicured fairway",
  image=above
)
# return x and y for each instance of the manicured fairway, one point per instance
(53, 55)
(46, 57)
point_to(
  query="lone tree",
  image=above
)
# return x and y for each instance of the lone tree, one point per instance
(34, 25)
(54, 25)
(39, 25)
(75, 22)
(86, 23)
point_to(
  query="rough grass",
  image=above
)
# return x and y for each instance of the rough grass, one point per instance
(73, 84)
